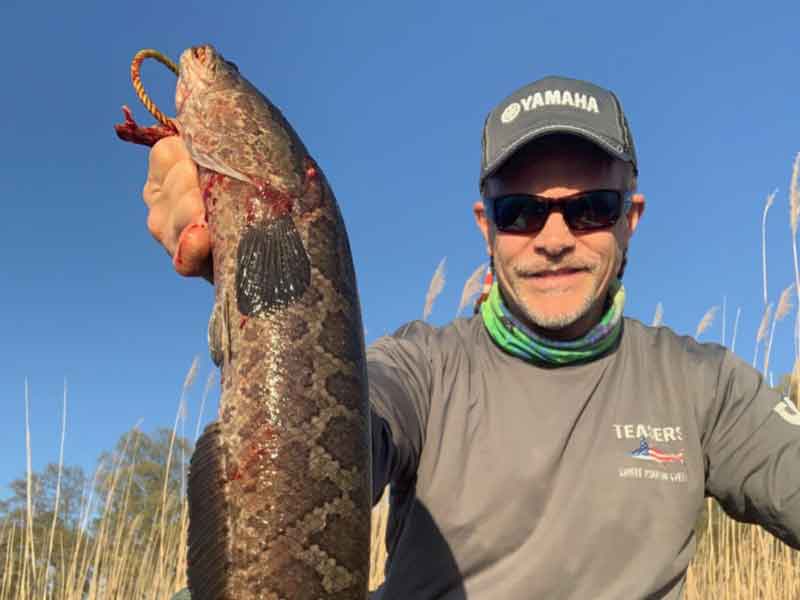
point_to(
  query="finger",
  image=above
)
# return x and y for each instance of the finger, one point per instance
(157, 221)
(193, 253)
(169, 216)
(180, 179)
(169, 150)
(184, 209)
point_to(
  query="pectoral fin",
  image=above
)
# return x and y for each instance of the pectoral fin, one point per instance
(272, 268)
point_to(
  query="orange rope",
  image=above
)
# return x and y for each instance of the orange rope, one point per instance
(136, 65)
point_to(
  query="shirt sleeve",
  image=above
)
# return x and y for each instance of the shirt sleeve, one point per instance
(752, 451)
(399, 373)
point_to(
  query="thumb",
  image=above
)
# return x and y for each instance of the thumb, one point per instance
(192, 256)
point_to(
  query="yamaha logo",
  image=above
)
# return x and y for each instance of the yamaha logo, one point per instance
(510, 113)
(539, 100)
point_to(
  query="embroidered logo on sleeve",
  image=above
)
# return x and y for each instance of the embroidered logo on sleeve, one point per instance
(788, 411)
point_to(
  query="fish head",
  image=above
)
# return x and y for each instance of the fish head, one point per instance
(201, 69)
(231, 128)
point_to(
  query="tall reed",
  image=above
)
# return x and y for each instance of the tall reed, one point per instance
(767, 204)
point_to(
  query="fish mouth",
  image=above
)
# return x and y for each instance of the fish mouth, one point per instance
(200, 53)
(199, 61)
(204, 55)
(196, 67)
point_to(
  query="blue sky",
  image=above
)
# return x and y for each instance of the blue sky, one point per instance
(390, 98)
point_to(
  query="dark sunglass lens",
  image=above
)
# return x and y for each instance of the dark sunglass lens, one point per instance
(519, 213)
(594, 210)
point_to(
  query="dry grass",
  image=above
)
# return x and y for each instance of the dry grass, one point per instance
(118, 560)
(130, 563)
(380, 516)
(735, 561)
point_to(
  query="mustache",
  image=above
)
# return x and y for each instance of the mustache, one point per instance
(534, 270)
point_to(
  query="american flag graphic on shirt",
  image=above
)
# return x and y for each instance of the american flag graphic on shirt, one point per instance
(646, 452)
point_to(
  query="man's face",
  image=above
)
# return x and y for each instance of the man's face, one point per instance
(556, 280)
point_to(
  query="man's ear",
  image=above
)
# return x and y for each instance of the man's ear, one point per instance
(635, 213)
(484, 224)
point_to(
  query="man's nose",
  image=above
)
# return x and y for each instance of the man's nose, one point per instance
(555, 238)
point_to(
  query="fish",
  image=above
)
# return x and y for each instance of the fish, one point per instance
(279, 485)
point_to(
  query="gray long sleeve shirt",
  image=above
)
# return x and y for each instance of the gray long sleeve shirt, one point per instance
(514, 481)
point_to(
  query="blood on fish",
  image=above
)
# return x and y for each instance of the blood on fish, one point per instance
(256, 453)
(249, 211)
(212, 181)
(278, 202)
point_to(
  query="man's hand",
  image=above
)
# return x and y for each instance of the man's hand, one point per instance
(177, 214)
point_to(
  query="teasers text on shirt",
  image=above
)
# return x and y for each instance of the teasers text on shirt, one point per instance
(635, 431)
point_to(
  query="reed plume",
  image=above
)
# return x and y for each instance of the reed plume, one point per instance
(188, 381)
(472, 287)
(434, 289)
(784, 306)
(658, 317)
(762, 330)
(706, 321)
(794, 382)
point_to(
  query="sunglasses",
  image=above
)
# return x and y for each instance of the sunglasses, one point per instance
(584, 211)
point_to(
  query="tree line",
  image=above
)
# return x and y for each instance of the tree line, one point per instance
(141, 479)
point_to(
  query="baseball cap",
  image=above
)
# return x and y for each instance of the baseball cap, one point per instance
(555, 105)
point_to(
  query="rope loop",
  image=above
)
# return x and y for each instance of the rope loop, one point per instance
(136, 79)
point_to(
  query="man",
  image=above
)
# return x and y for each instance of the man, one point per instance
(548, 447)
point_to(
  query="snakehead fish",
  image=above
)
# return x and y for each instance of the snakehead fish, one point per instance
(279, 486)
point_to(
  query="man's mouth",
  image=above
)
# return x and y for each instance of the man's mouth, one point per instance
(557, 273)
(556, 279)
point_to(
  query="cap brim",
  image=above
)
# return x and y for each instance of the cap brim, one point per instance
(608, 146)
